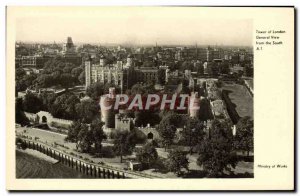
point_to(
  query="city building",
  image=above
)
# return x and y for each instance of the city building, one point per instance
(120, 74)
(68, 47)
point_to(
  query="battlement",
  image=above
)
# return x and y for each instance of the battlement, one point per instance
(124, 123)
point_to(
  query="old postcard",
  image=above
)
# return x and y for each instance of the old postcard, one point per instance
(150, 98)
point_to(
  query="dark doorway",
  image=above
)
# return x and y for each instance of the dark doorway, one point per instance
(150, 136)
(81, 95)
(44, 119)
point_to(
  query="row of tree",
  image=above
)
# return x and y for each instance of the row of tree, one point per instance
(87, 135)
(89, 138)
(176, 161)
(216, 146)
(66, 106)
(55, 73)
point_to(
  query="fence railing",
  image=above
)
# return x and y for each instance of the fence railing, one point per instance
(91, 169)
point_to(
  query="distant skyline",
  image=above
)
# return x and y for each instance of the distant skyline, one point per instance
(134, 26)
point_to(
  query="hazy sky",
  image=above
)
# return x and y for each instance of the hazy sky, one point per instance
(134, 26)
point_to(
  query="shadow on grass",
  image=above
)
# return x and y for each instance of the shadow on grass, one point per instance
(203, 174)
(244, 175)
(195, 174)
(231, 107)
(245, 158)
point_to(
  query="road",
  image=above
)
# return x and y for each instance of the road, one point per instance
(51, 137)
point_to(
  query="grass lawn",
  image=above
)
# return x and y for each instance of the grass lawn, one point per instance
(240, 97)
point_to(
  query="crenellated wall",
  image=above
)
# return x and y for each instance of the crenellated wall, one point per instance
(150, 132)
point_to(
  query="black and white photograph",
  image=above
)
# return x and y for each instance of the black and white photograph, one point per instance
(115, 98)
(134, 96)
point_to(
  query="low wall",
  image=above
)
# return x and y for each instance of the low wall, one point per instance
(81, 166)
(46, 117)
(148, 130)
(32, 117)
(230, 107)
(61, 123)
(249, 88)
(91, 169)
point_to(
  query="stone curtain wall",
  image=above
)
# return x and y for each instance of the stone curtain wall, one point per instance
(147, 130)
(32, 117)
(50, 120)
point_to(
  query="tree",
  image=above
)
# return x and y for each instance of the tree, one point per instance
(148, 63)
(48, 100)
(193, 133)
(167, 127)
(56, 72)
(167, 133)
(224, 68)
(32, 103)
(25, 81)
(186, 65)
(243, 139)
(85, 138)
(98, 134)
(200, 69)
(216, 153)
(205, 110)
(138, 89)
(124, 143)
(95, 90)
(161, 76)
(137, 136)
(64, 106)
(20, 73)
(147, 155)
(70, 106)
(172, 118)
(67, 80)
(144, 117)
(45, 81)
(20, 86)
(68, 68)
(20, 115)
(213, 69)
(57, 64)
(81, 77)
(248, 71)
(142, 89)
(87, 110)
(177, 160)
(107, 86)
(73, 131)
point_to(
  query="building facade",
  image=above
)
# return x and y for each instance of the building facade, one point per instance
(123, 75)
